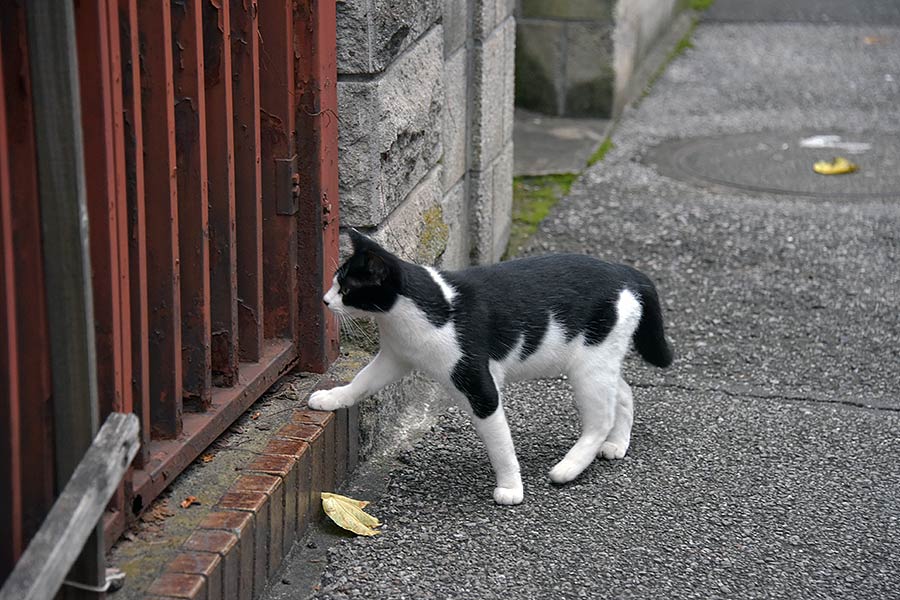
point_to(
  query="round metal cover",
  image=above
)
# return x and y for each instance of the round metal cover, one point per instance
(782, 163)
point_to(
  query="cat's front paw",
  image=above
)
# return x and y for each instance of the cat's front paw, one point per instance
(509, 496)
(332, 399)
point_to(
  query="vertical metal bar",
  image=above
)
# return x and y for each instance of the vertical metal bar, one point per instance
(317, 125)
(122, 287)
(102, 202)
(36, 425)
(10, 472)
(193, 224)
(54, 74)
(280, 293)
(137, 242)
(220, 148)
(247, 176)
(160, 192)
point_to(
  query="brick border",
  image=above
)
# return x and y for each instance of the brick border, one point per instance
(241, 544)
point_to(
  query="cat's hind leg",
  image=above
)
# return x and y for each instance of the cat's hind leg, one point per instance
(595, 397)
(619, 438)
(595, 382)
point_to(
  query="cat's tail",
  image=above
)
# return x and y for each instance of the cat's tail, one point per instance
(650, 336)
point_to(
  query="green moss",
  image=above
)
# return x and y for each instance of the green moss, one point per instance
(700, 5)
(600, 152)
(533, 197)
(434, 236)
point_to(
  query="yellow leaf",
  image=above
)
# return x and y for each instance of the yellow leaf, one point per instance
(189, 501)
(838, 166)
(348, 514)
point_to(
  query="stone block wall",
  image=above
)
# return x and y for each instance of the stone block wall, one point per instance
(425, 97)
(581, 57)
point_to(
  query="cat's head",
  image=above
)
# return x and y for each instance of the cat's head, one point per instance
(368, 281)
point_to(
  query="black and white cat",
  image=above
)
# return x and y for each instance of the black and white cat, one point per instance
(476, 329)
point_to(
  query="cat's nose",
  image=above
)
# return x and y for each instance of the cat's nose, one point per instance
(325, 300)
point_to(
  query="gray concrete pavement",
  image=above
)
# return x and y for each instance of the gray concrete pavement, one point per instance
(765, 463)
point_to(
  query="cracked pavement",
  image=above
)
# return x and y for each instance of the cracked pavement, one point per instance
(766, 462)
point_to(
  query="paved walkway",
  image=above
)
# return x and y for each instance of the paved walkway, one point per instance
(766, 462)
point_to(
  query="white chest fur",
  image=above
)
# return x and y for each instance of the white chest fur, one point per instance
(407, 333)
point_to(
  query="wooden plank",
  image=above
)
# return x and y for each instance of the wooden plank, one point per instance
(75, 514)
(136, 220)
(317, 123)
(54, 78)
(160, 192)
(222, 226)
(98, 116)
(247, 176)
(36, 415)
(280, 293)
(193, 200)
(10, 398)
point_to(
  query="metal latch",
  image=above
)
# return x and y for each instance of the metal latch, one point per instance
(287, 186)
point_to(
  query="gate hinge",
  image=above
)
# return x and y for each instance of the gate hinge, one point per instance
(287, 182)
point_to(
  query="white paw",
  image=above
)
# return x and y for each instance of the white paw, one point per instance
(612, 451)
(509, 496)
(565, 471)
(332, 399)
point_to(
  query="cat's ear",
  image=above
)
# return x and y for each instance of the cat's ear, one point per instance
(377, 266)
(358, 240)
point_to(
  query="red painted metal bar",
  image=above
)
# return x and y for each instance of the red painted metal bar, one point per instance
(121, 286)
(92, 35)
(247, 176)
(317, 125)
(160, 193)
(136, 221)
(36, 424)
(193, 200)
(280, 293)
(10, 473)
(222, 231)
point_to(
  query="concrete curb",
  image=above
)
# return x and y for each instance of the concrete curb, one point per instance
(241, 544)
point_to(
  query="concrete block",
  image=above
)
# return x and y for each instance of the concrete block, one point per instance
(509, 77)
(569, 9)
(539, 65)
(456, 25)
(456, 215)
(372, 34)
(390, 132)
(488, 97)
(590, 78)
(481, 187)
(502, 192)
(416, 230)
(454, 120)
(354, 53)
(484, 18)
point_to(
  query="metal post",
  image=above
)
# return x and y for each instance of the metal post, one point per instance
(57, 111)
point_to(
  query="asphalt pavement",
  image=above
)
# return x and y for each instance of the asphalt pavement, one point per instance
(766, 462)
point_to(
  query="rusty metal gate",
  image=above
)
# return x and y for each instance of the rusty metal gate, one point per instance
(210, 150)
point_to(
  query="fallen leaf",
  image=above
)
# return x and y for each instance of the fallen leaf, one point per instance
(838, 166)
(255, 415)
(207, 458)
(871, 40)
(189, 501)
(348, 514)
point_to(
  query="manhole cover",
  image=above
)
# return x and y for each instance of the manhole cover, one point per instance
(782, 163)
